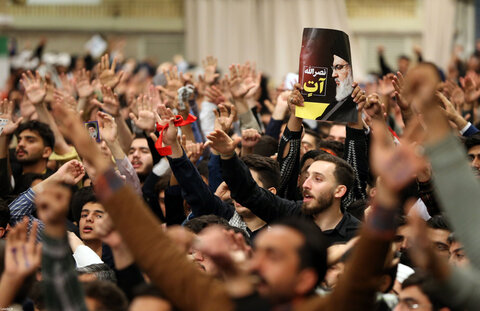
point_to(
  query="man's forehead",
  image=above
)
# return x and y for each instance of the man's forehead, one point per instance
(279, 236)
(322, 167)
(91, 206)
(29, 133)
(474, 150)
(139, 143)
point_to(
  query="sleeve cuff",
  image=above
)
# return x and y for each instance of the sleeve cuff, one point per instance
(462, 131)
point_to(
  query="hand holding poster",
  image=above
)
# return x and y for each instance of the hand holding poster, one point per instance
(326, 76)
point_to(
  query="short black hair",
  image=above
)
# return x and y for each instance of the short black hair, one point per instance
(79, 199)
(313, 253)
(42, 129)
(357, 209)
(343, 171)
(312, 154)
(472, 141)
(267, 169)
(196, 225)
(107, 295)
(102, 272)
(315, 135)
(427, 287)
(438, 222)
(4, 214)
(266, 146)
(91, 125)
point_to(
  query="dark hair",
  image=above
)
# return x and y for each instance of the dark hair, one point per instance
(4, 214)
(101, 271)
(403, 56)
(472, 141)
(147, 290)
(343, 171)
(79, 199)
(266, 146)
(312, 154)
(91, 125)
(37, 296)
(107, 295)
(162, 183)
(357, 209)
(42, 129)
(438, 222)
(313, 253)
(400, 220)
(315, 135)
(427, 287)
(196, 225)
(267, 169)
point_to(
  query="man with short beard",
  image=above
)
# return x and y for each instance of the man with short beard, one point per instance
(34, 147)
(328, 180)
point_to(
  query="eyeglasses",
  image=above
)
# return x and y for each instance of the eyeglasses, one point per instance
(339, 67)
(411, 303)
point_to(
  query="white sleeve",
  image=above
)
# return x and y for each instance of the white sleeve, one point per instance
(85, 256)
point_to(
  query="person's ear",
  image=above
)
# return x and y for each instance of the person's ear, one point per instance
(340, 191)
(47, 151)
(272, 190)
(306, 280)
(2, 232)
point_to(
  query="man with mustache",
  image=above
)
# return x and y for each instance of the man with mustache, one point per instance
(35, 145)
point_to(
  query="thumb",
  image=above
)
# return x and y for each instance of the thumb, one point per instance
(18, 121)
(153, 137)
(132, 116)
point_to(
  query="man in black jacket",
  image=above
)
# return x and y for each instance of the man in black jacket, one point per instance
(329, 179)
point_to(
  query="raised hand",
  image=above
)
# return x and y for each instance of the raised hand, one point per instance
(6, 112)
(385, 87)
(110, 104)
(251, 76)
(374, 107)
(66, 99)
(34, 87)
(174, 82)
(295, 98)
(82, 83)
(358, 96)
(107, 75)
(222, 143)
(224, 117)
(210, 67)
(396, 165)
(67, 86)
(398, 83)
(193, 150)
(146, 114)
(238, 84)
(250, 137)
(214, 95)
(108, 127)
(70, 173)
(472, 91)
(167, 116)
(22, 254)
(451, 113)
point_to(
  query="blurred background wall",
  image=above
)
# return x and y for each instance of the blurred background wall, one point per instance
(265, 31)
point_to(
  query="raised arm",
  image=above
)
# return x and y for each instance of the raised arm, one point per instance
(168, 269)
(243, 187)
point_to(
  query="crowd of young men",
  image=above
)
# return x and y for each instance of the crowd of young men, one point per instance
(119, 194)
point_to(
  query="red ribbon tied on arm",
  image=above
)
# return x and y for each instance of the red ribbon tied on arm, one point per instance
(179, 121)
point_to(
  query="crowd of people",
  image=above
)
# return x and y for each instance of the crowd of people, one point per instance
(130, 186)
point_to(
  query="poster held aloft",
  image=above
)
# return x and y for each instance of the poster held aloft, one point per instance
(326, 77)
